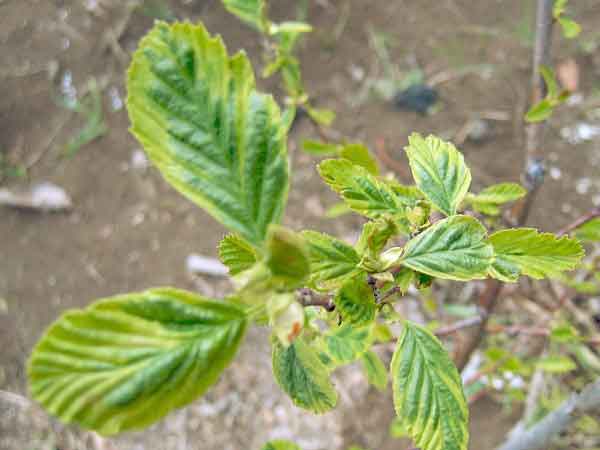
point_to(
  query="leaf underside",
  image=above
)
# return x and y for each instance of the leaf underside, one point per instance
(210, 133)
(428, 393)
(125, 362)
(303, 376)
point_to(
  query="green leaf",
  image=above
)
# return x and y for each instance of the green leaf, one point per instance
(355, 301)
(375, 370)
(319, 148)
(540, 111)
(287, 257)
(321, 116)
(375, 235)
(439, 170)
(359, 155)
(453, 249)
(125, 362)
(290, 27)
(362, 192)
(211, 134)
(347, 343)
(428, 392)
(489, 199)
(250, 11)
(331, 260)
(303, 376)
(237, 254)
(559, 8)
(550, 81)
(556, 364)
(570, 28)
(280, 445)
(589, 231)
(337, 210)
(538, 255)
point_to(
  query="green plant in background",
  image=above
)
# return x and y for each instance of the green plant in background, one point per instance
(90, 108)
(125, 362)
(281, 40)
(570, 28)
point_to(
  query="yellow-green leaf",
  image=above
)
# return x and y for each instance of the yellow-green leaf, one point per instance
(125, 362)
(589, 231)
(355, 301)
(237, 254)
(428, 392)
(331, 260)
(347, 343)
(439, 170)
(287, 257)
(538, 255)
(303, 376)
(492, 197)
(280, 445)
(359, 154)
(250, 11)
(214, 138)
(375, 370)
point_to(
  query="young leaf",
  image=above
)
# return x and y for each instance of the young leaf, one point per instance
(375, 370)
(250, 11)
(237, 254)
(280, 445)
(527, 252)
(347, 342)
(287, 257)
(492, 197)
(428, 393)
(319, 148)
(303, 376)
(211, 134)
(540, 111)
(330, 259)
(570, 28)
(355, 301)
(439, 171)
(556, 364)
(125, 362)
(375, 235)
(359, 154)
(589, 231)
(362, 191)
(453, 249)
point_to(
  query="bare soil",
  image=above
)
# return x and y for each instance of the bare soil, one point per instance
(129, 230)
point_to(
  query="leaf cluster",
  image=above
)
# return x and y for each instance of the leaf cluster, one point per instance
(124, 362)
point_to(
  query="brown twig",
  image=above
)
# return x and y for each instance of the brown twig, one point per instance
(308, 297)
(591, 215)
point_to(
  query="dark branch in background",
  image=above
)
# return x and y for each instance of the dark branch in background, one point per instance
(533, 176)
(539, 435)
(308, 297)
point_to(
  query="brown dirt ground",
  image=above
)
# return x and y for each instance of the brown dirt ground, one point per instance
(129, 230)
